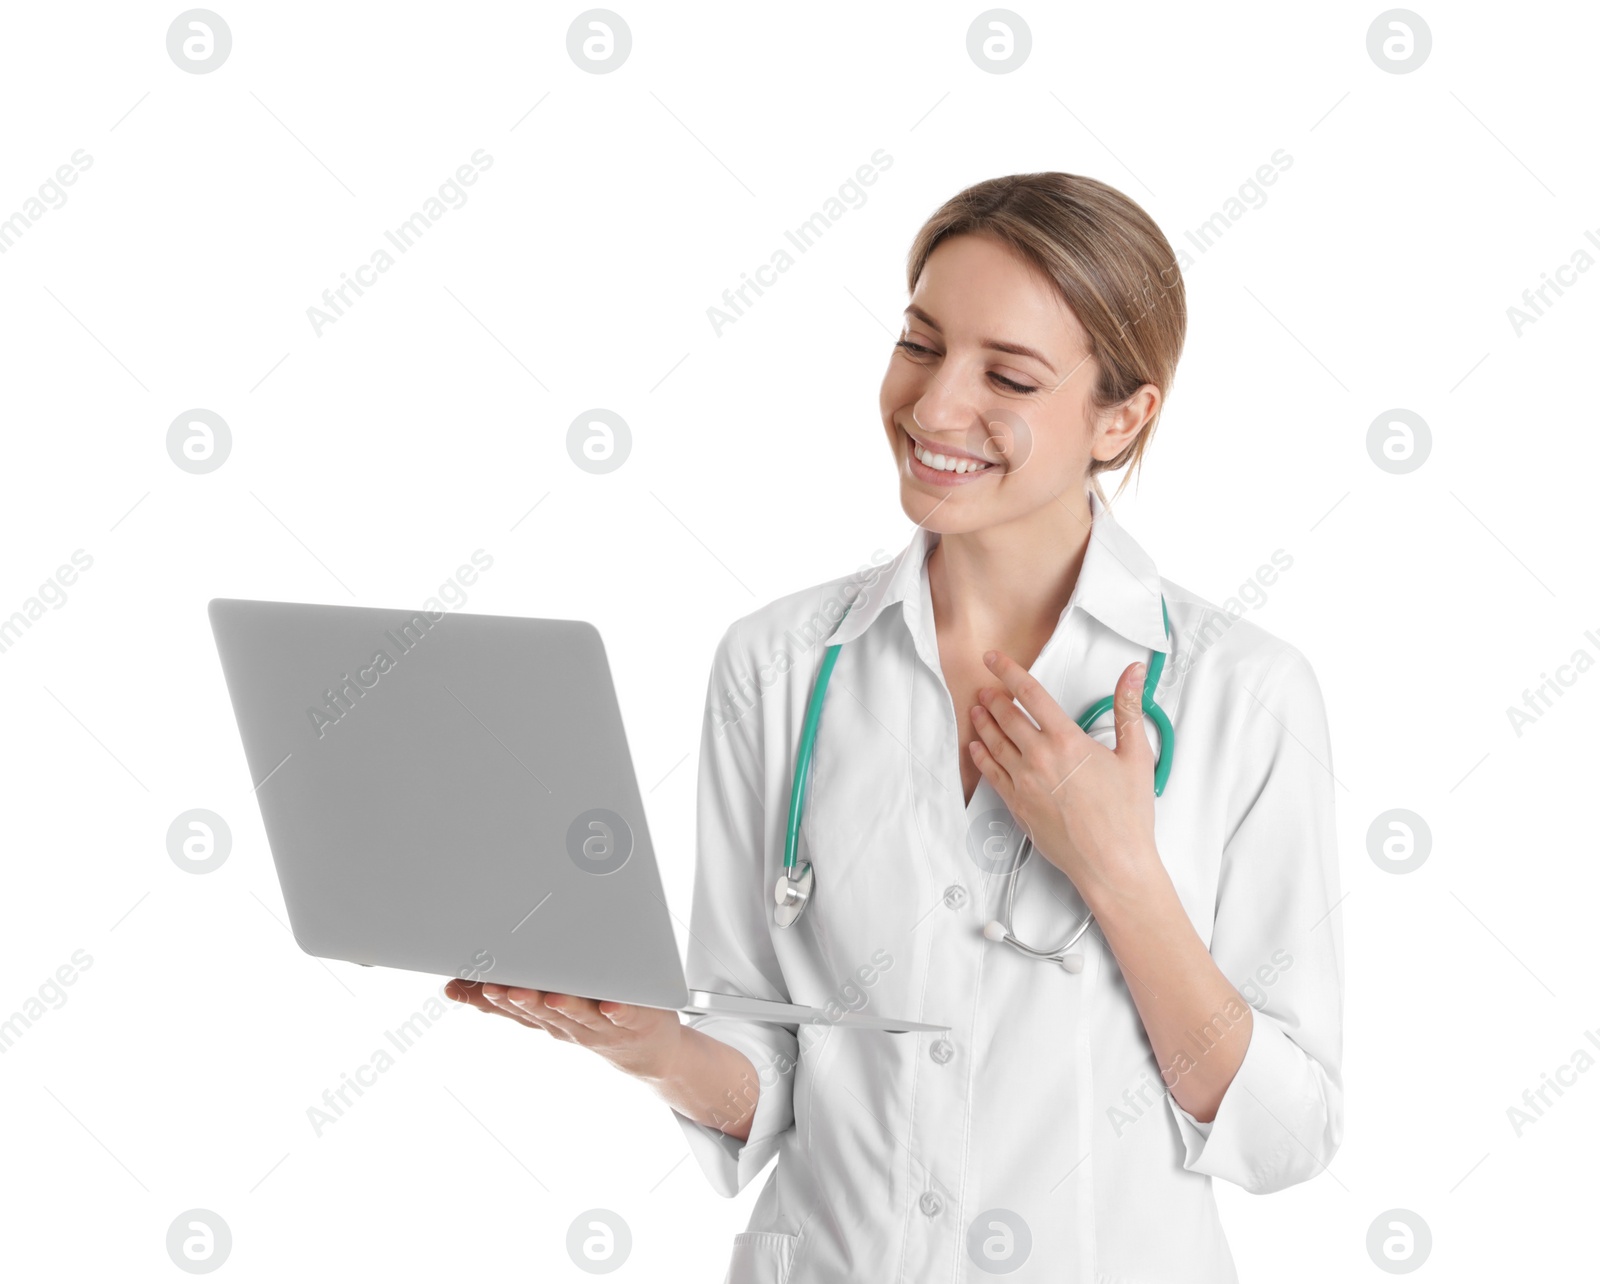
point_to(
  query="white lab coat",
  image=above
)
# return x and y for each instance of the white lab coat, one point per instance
(1045, 1099)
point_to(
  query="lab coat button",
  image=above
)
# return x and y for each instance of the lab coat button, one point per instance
(955, 896)
(942, 1050)
(930, 1203)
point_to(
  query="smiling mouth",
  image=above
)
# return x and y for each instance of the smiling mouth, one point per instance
(930, 465)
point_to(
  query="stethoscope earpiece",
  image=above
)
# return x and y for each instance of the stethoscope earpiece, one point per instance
(997, 931)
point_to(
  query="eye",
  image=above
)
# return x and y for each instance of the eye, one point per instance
(1011, 383)
(918, 350)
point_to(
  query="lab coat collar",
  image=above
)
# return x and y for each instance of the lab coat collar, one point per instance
(1118, 583)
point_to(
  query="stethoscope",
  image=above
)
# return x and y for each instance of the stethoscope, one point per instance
(796, 885)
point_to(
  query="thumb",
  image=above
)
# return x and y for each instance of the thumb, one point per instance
(1131, 742)
(626, 1016)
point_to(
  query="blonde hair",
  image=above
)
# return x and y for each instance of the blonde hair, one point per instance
(1111, 264)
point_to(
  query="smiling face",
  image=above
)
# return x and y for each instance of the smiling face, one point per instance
(987, 400)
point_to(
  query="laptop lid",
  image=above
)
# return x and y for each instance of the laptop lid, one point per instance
(451, 793)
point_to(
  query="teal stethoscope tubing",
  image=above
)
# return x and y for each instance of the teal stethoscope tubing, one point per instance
(794, 888)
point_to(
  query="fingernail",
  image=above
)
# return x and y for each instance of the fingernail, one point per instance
(988, 657)
(1138, 672)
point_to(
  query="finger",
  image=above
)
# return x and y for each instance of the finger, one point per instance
(992, 771)
(629, 1016)
(497, 996)
(537, 1021)
(560, 1023)
(583, 1012)
(998, 704)
(996, 738)
(1029, 691)
(469, 993)
(498, 1003)
(533, 1005)
(1132, 746)
(526, 1005)
(475, 998)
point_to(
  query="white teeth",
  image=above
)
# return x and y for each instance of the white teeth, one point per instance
(948, 464)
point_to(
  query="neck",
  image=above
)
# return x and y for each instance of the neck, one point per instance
(1006, 586)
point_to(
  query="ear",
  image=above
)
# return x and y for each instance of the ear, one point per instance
(1120, 424)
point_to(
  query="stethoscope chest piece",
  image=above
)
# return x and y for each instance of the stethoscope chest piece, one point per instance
(792, 895)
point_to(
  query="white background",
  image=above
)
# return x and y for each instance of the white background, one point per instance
(427, 422)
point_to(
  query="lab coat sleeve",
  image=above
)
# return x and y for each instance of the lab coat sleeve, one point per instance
(1277, 937)
(730, 947)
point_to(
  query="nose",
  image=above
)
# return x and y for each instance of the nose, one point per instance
(943, 407)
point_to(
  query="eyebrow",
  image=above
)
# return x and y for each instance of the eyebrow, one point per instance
(994, 345)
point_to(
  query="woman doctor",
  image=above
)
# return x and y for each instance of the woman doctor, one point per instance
(1069, 1124)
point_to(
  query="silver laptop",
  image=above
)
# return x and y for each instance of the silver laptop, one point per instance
(453, 794)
